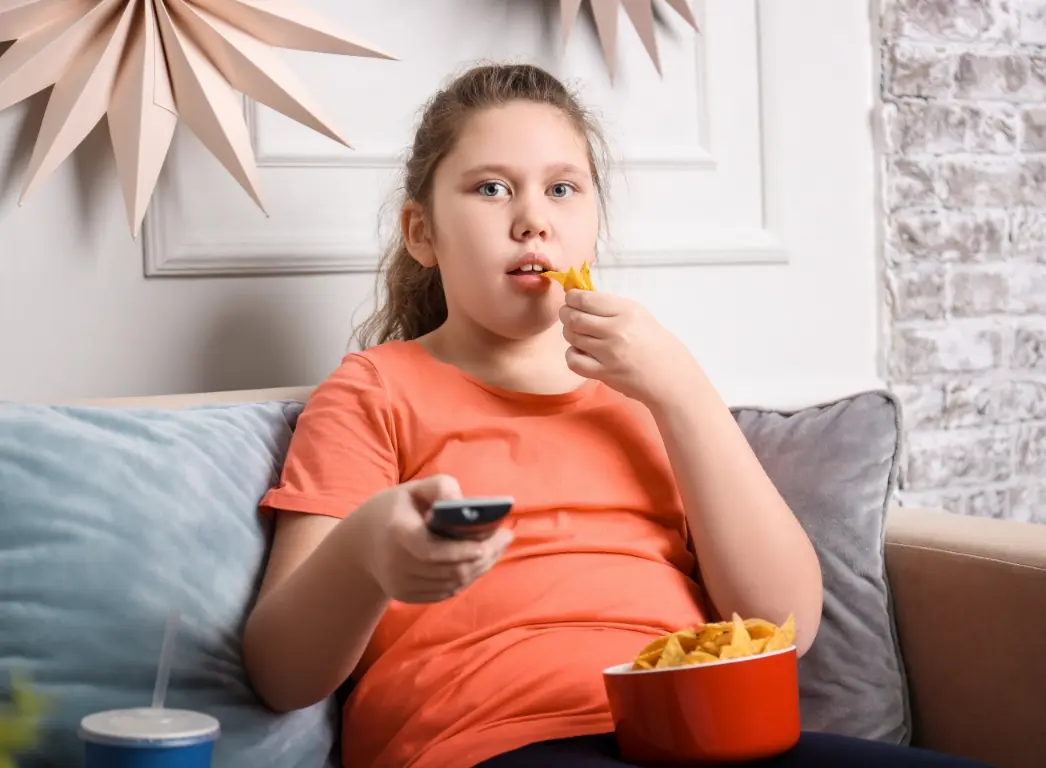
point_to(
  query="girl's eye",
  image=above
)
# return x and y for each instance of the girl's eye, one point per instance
(561, 190)
(492, 189)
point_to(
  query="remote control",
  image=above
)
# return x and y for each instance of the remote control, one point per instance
(476, 518)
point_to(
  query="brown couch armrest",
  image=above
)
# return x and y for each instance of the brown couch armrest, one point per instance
(970, 600)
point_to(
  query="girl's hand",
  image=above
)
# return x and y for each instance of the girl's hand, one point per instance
(407, 561)
(616, 341)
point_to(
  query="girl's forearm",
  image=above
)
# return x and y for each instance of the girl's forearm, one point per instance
(304, 638)
(755, 558)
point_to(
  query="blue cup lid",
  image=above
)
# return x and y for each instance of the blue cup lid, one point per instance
(146, 726)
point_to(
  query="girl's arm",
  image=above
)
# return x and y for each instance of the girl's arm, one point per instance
(318, 607)
(328, 583)
(755, 558)
(316, 611)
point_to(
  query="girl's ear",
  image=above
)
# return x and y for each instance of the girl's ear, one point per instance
(417, 235)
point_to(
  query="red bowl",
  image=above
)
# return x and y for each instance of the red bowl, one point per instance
(723, 711)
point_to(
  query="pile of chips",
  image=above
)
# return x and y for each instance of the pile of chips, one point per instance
(716, 642)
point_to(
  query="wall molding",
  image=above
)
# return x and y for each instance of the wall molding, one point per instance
(753, 247)
(686, 159)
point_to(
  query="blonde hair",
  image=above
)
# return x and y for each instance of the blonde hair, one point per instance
(414, 303)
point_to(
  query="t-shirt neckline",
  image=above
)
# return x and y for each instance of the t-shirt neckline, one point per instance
(532, 398)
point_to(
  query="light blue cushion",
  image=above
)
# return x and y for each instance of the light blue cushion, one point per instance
(111, 518)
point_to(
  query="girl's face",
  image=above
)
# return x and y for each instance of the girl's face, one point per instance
(516, 190)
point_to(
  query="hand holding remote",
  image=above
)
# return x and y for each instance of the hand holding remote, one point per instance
(409, 563)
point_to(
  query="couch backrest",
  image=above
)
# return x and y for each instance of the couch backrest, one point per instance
(297, 394)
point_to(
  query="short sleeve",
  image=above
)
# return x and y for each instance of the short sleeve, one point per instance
(343, 449)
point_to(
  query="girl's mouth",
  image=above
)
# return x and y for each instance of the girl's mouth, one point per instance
(529, 280)
(528, 269)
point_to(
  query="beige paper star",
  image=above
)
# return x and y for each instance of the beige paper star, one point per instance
(149, 63)
(606, 13)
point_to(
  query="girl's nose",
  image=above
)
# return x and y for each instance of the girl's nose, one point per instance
(530, 224)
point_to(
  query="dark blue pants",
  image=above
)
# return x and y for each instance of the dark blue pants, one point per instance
(815, 750)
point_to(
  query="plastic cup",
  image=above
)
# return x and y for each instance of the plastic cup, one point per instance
(148, 738)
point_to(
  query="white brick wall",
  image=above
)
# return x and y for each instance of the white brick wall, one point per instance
(964, 125)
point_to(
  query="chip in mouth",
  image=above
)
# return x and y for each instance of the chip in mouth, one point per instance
(573, 279)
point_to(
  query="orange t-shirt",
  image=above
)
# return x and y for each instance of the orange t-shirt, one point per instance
(598, 568)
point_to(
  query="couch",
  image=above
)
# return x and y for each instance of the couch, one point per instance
(969, 607)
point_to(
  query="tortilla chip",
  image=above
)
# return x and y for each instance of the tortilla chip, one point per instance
(782, 638)
(673, 655)
(700, 657)
(653, 650)
(760, 628)
(571, 279)
(740, 642)
(586, 276)
(712, 636)
(687, 639)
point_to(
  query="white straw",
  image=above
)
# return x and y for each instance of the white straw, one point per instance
(163, 671)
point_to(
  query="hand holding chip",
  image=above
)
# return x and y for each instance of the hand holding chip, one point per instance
(617, 341)
(408, 563)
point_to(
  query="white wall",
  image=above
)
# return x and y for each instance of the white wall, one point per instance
(747, 223)
(78, 319)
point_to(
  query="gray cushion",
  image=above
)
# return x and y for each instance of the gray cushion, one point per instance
(836, 466)
(110, 519)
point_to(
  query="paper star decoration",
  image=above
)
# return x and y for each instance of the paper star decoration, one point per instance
(148, 64)
(606, 13)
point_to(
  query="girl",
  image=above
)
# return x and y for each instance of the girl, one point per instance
(639, 507)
